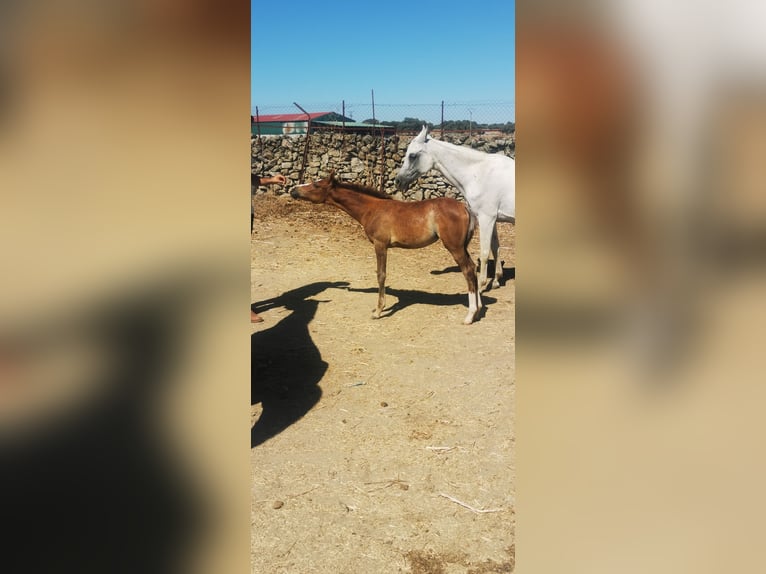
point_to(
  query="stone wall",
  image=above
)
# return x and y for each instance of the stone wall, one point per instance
(358, 158)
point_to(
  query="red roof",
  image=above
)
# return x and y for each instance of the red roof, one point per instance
(289, 117)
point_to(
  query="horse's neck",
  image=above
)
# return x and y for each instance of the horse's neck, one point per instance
(356, 204)
(455, 163)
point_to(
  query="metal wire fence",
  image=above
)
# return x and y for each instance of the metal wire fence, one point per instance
(446, 115)
(371, 153)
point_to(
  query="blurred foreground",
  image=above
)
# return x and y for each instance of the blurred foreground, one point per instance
(124, 353)
(123, 343)
(641, 310)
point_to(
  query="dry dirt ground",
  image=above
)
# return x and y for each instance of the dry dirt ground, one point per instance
(377, 445)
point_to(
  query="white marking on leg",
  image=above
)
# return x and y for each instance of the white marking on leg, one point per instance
(485, 240)
(496, 257)
(472, 308)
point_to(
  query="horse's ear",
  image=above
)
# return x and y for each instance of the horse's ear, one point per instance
(331, 175)
(423, 134)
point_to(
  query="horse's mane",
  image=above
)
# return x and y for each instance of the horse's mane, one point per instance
(466, 150)
(359, 188)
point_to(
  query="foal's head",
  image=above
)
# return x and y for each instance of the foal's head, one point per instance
(316, 191)
(417, 161)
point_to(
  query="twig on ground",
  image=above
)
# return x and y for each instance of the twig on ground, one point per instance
(469, 507)
(387, 483)
(286, 552)
(302, 493)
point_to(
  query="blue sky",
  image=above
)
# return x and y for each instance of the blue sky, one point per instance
(417, 52)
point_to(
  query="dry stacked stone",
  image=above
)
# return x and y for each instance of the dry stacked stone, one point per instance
(360, 158)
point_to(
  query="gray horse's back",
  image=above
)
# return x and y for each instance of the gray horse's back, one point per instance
(504, 177)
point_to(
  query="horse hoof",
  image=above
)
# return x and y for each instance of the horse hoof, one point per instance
(496, 284)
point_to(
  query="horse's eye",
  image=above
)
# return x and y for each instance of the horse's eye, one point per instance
(413, 156)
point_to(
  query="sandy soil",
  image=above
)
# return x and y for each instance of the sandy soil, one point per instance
(372, 438)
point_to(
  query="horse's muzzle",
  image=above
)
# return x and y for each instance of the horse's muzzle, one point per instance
(294, 193)
(401, 183)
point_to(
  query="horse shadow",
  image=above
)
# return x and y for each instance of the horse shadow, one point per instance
(508, 272)
(286, 365)
(105, 464)
(408, 297)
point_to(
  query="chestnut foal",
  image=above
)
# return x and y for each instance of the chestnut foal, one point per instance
(408, 224)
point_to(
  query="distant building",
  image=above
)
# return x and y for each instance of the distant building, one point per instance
(298, 124)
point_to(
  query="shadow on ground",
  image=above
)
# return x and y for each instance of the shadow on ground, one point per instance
(408, 297)
(286, 365)
(508, 272)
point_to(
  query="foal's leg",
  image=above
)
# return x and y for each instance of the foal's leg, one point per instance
(381, 251)
(495, 247)
(467, 266)
(486, 227)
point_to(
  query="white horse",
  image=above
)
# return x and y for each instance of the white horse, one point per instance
(487, 182)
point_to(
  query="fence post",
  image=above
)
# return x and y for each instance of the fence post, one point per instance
(343, 133)
(382, 159)
(372, 93)
(442, 126)
(258, 125)
(306, 147)
(374, 121)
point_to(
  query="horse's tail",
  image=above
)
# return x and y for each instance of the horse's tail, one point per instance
(471, 225)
